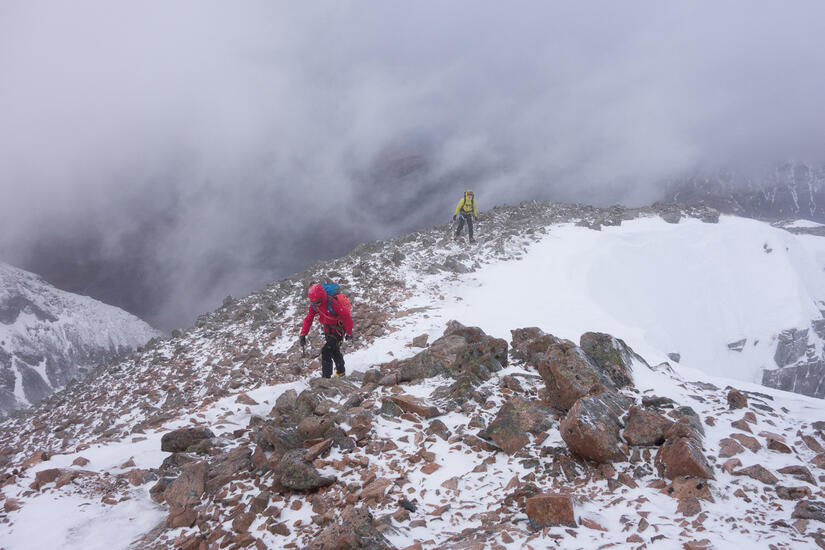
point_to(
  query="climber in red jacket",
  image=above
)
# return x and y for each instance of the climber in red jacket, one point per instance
(333, 310)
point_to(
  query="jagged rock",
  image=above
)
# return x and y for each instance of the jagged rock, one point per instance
(738, 345)
(675, 357)
(792, 493)
(809, 509)
(592, 426)
(729, 447)
(460, 391)
(294, 473)
(182, 439)
(807, 379)
(530, 344)
(226, 466)
(357, 530)
(516, 417)
(737, 399)
(277, 440)
(689, 487)
(759, 473)
(332, 387)
(420, 341)
(612, 356)
(185, 493)
(569, 374)
(440, 429)
(791, 346)
(691, 418)
(750, 442)
(682, 456)
(408, 403)
(798, 472)
(644, 427)
(550, 510)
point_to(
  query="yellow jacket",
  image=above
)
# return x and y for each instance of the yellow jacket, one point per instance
(467, 207)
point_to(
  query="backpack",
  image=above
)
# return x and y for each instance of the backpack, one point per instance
(334, 293)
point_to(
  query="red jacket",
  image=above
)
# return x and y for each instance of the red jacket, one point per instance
(340, 318)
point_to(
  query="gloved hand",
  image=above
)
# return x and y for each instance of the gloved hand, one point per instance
(475, 218)
(303, 340)
(348, 337)
(455, 216)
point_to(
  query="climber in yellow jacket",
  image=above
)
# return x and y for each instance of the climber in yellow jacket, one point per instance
(467, 209)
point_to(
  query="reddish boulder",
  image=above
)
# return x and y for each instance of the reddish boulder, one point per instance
(185, 493)
(43, 477)
(682, 457)
(549, 510)
(747, 441)
(792, 493)
(759, 473)
(729, 447)
(356, 530)
(517, 416)
(569, 374)
(809, 509)
(591, 428)
(798, 472)
(36, 458)
(612, 356)
(179, 440)
(408, 403)
(530, 344)
(737, 399)
(643, 427)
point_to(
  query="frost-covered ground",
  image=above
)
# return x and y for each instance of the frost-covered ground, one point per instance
(689, 288)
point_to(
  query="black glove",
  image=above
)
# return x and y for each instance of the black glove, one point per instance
(303, 340)
(348, 337)
(455, 216)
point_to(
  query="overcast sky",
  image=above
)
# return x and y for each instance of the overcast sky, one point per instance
(161, 155)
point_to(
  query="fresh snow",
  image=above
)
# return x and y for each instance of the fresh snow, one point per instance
(690, 288)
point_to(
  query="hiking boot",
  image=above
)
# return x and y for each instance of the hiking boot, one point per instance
(338, 374)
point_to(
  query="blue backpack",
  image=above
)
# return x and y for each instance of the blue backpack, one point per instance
(334, 293)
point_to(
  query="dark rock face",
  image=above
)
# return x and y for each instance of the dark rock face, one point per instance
(530, 344)
(809, 509)
(807, 379)
(179, 440)
(185, 493)
(592, 426)
(791, 346)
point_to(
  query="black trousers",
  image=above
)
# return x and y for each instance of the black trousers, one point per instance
(461, 219)
(332, 352)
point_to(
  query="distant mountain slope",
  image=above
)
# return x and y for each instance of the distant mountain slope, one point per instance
(49, 337)
(792, 190)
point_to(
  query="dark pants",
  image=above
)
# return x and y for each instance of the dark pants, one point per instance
(332, 352)
(461, 219)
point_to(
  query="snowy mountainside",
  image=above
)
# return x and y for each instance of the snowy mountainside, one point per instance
(790, 190)
(49, 337)
(444, 436)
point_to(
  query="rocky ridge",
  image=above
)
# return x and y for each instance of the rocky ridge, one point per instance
(471, 442)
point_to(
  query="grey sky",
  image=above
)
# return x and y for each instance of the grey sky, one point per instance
(160, 155)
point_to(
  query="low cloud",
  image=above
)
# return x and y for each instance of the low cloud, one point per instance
(160, 156)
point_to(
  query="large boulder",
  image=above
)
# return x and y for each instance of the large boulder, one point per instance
(592, 427)
(514, 420)
(357, 530)
(530, 344)
(613, 357)
(296, 474)
(682, 456)
(569, 374)
(460, 350)
(549, 510)
(182, 439)
(185, 493)
(643, 427)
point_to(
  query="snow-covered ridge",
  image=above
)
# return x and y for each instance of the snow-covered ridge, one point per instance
(49, 337)
(536, 264)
